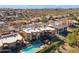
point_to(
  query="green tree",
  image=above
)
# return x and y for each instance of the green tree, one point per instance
(71, 39)
(43, 19)
(72, 18)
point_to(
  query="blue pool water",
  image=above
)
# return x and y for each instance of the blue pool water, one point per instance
(33, 47)
(30, 49)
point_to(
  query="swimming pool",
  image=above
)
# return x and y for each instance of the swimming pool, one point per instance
(30, 49)
(33, 48)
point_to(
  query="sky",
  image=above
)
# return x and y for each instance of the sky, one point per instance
(38, 6)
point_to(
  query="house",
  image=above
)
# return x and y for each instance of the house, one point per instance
(9, 37)
(35, 32)
(60, 26)
(35, 19)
